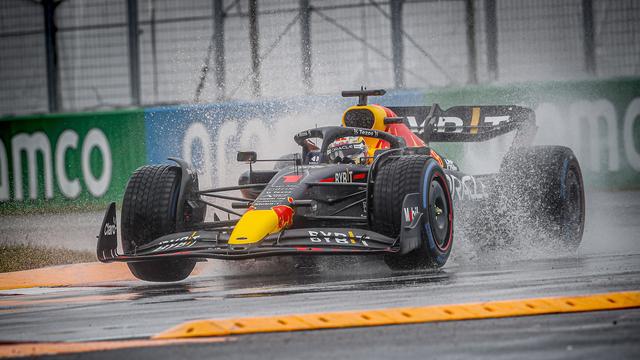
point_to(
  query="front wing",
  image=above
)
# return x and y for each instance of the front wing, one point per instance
(213, 244)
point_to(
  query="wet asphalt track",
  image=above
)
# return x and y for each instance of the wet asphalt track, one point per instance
(608, 260)
(601, 335)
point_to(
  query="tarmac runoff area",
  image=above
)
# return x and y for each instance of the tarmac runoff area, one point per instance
(498, 305)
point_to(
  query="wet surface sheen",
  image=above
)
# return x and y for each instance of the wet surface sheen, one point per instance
(608, 260)
(135, 309)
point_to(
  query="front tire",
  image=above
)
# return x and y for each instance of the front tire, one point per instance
(399, 176)
(149, 211)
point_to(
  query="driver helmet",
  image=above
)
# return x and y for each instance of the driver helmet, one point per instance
(348, 150)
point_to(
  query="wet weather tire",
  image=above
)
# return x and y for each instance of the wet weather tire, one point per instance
(541, 191)
(149, 211)
(399, 176)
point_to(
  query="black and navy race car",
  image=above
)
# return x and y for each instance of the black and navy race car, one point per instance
(373, 187)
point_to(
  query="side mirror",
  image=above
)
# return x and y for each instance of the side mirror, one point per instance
(247, 156)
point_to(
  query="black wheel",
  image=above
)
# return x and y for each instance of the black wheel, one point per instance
(542, 193)
(149, 211)
(399, 176)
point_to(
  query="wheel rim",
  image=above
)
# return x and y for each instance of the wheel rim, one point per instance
(438, 214)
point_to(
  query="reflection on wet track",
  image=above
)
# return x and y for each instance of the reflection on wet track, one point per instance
(135, 309)
(608, 260)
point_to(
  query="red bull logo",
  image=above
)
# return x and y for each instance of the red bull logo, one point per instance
(285, 215)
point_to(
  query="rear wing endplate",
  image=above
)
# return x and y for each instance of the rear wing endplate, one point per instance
(469, 123)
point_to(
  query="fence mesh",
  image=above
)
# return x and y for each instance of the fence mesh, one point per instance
(617, 37)
(351, 45)
(174, 40)
(23, 70)
(93, 54)
(540, 39)
(443, 37)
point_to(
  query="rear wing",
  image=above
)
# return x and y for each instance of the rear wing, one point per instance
(469, 123)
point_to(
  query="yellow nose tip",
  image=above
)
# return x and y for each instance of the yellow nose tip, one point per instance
(254, 226)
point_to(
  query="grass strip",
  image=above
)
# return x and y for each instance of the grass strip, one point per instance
(17, 257)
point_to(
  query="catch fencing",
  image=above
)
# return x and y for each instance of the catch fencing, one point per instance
(76, 55)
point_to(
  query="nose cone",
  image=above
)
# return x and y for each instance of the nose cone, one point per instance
(255, 225)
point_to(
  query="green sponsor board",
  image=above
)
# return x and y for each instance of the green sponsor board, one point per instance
(598, 119)
(68, 161)
(84, 160)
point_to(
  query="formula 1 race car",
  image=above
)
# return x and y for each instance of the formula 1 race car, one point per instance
(374, 187)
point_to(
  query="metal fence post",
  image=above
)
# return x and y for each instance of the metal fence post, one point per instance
(471, 42)
(134, 51)
(492, 38)
(589, 37)
(397, 43)
(255, 46)
(218, 46)
(53, 75)
(305, 38)
(154, 52)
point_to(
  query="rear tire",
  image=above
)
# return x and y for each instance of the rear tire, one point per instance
(397, 177)
(149, 211)
(541, 190)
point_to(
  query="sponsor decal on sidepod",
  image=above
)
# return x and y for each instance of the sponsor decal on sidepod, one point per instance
(344, 176)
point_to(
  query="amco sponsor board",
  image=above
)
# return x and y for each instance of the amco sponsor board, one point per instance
(70, 160)
(209, 136)
(599, 120)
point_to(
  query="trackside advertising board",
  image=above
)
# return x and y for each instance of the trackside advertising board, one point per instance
(599, 120)
(68, 160)
(208, 136)
(84, 160)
